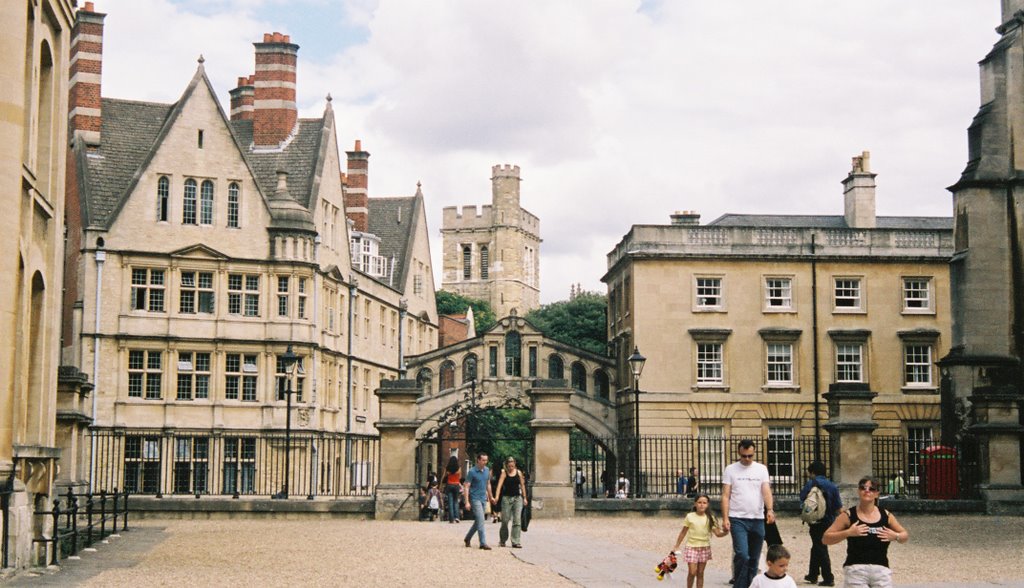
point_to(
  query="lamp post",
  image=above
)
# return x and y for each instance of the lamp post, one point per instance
(287, 361)
(636, 365)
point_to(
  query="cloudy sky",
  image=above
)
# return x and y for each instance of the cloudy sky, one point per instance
(619, 112)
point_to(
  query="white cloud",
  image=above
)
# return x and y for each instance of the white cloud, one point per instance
(618, 112)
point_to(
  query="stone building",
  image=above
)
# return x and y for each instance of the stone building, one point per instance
(749, 321)
(203, 247)
(494, 254)
(985, 387)
(34, 101)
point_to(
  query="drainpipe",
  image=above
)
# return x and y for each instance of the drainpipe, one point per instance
(101, 256)
(353, 293)
(315, 285)
(814, 334)
(403, 311)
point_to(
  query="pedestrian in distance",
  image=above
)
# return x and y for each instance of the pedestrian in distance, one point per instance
(579, 479)
(775, 576)
(433, 501)
(868, 531)
(453, 488)
(622, 485)
(747, 504)
(680, 483)
(693, 484)
(512, 498)
(821, 564)
(698, 526)
(477, 494)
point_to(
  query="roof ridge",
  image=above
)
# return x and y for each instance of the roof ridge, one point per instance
(146, 102)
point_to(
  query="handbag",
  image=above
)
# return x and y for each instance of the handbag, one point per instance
(527, 515)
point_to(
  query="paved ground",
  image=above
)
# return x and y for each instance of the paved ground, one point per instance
(962, 551)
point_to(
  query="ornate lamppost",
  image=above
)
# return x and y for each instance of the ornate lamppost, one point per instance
(636, 365)
(287, 361)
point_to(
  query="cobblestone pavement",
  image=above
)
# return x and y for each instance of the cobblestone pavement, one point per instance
(586, 552)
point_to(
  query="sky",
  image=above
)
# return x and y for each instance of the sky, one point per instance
(618, 112)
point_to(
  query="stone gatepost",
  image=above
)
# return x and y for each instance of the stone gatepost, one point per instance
(850, 424)
(996, 423)
(553, 495)
(396, 494)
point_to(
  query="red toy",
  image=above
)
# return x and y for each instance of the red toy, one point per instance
(667, 566)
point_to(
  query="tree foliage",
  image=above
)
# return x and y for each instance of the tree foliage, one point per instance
(581, 321)
(502, 433)
(452, 303)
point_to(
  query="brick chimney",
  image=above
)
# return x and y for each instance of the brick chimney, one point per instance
(357, 196)
(274, 110)
(84, 105)
(859, 194)
(242, 98)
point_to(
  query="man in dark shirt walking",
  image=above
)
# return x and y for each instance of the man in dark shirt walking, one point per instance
(821, 564)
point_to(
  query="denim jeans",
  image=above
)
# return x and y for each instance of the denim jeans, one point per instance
(478, 521)
(454, 492)
(747, 539)
(511, 513)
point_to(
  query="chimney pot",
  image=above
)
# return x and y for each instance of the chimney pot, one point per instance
(89, 7)
(859, 194)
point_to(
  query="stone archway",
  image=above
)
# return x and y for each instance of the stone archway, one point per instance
(549, 401)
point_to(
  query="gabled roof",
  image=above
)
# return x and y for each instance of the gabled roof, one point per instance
(129, 131)
(785, 221)
(394, 220)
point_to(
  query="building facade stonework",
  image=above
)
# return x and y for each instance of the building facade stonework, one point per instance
(494, 254)
(208, 245)
(33, 132)
(749, 321)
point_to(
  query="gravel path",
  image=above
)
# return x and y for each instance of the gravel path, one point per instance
(963, 550)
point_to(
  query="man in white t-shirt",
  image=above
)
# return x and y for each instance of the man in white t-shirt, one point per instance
(745, 494)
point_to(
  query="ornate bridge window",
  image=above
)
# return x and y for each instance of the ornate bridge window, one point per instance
(447, 379)
(579, 377)
(469, 368)
(556, 368)
(513, 354)
(601, 384)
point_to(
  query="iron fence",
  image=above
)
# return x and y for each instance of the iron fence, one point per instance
(910, 468)
(660, 459)
(209, 463)
(83, 520)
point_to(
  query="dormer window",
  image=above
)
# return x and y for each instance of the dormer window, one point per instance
(365, 250)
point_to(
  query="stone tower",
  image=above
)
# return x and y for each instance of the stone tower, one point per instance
(494, 254)
(982, 377)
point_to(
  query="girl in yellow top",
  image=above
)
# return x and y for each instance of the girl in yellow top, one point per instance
(698, 526)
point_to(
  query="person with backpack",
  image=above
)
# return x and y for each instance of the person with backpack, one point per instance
(820, 504)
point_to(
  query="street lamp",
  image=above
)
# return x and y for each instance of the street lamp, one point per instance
(287, 361)
(636, 365)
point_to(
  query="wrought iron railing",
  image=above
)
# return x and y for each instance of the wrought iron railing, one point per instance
(660, 458)
(82, 519)
(237, 463)
(909, 468)
(6, 491)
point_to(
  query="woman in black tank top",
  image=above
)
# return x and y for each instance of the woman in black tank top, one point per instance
(868, 530)
(511, 496)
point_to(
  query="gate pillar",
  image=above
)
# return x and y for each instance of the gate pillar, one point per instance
(850, 425)
(997, 424)
(553, 495)
(396, 493)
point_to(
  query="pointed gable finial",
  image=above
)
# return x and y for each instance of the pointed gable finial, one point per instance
(329, 97)
(201, 59)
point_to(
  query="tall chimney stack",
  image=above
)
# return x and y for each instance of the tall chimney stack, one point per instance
(84, 103)
(357, 196)
(859, 194)
(274, 110)
(242, 98)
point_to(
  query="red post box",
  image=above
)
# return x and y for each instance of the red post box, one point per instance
(938, 468)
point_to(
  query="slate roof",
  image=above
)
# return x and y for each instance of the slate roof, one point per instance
(395, 237)
(129, 130)
(783, 221)
(299, 158)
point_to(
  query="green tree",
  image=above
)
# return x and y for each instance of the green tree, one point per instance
(581, 321)
(452, 303)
